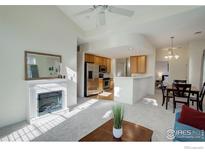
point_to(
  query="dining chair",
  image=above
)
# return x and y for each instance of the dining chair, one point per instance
(181, 94)
(164, 96)
(201, 97)
(179, 81)
(164, 77)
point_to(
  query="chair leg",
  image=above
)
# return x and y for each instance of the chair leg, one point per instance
(163, 99)
(197, 105)
(174, 106)
(167, 100)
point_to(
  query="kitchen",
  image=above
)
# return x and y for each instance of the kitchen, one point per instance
(115, 67)
(98, 80)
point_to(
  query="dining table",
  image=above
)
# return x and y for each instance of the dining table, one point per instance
(194, 91)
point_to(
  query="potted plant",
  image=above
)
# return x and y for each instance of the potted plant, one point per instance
(118, 114)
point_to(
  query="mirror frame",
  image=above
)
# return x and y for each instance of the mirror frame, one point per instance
(38, 53)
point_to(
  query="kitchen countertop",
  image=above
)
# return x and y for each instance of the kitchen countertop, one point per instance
(134, 77)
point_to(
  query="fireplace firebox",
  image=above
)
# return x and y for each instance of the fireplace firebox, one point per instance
(49, 102)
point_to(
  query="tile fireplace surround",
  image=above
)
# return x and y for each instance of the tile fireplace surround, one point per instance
(36, 87)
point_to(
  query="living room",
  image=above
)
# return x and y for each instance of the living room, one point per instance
(62, 64)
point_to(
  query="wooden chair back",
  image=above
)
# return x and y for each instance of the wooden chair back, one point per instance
(179, 81)
(202, 93)
(182, 91)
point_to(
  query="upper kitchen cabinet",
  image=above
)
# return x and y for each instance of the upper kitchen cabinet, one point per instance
(141, 64)
(133, 64)
(89, 58)
(138, 64)
(99, 60)
(108, 64)
(104, 61)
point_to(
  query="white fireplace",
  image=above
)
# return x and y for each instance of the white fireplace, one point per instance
(45, 97)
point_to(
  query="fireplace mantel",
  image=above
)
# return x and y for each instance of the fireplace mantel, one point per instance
(31, 82)
(36, 87)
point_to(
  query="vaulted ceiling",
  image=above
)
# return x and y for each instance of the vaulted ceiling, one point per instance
(156, 23)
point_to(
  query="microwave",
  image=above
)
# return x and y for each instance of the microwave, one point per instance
(102, 69)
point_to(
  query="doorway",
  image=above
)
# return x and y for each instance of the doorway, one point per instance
(162, 68)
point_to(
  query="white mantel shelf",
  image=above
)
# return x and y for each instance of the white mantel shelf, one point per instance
(30, 82)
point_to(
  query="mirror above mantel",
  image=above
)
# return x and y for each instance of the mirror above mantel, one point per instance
(40, 66)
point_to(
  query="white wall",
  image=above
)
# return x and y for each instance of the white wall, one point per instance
(178, 69)
(35, 28)
(117, 46)
(196, 48)
(151, 64)
(113, 68)
(80, 73)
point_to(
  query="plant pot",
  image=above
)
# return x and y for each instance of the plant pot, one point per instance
(117, 133)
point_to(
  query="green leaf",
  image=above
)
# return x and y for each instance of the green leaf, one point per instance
(118, 114)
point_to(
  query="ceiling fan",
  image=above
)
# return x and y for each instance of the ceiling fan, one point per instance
(101, 9)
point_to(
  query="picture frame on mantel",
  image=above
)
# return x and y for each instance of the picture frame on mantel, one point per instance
(41, 66)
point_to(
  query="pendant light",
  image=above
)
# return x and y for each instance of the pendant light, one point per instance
(171, 51)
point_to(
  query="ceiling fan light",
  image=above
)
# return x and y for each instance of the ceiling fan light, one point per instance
(166, 57)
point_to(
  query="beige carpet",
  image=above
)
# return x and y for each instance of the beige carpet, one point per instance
(87, 116)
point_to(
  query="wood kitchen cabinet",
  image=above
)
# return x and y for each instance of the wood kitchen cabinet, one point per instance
(108, 65)
(141, 64)
(89, 58)
(138, 64)
(133, 64)
(99, 60)
(104, 61)
(101, 85)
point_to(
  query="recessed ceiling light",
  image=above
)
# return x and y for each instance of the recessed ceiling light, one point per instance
(197, 33)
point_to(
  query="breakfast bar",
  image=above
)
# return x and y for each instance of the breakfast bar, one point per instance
(130, 90)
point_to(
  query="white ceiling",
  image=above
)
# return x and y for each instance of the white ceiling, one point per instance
(157, 23)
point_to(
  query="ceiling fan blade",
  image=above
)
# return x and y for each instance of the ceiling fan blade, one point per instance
(101, 17)
(84, 12)
(120, 11)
